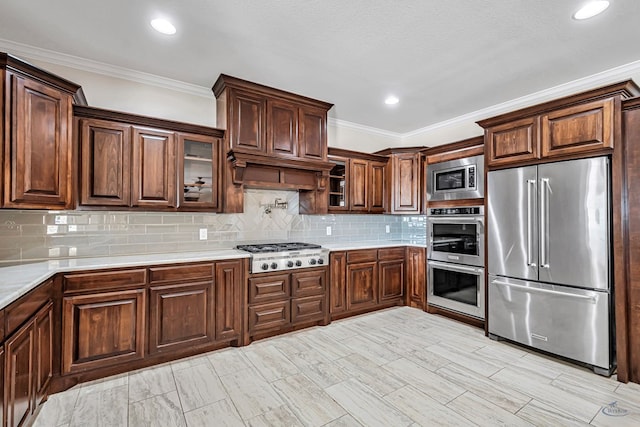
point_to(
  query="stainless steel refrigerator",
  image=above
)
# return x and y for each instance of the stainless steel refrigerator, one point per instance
(549, 263)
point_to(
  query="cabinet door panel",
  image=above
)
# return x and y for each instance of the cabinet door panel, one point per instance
(313, 133)
(199, 172)
(102, 329)
(359, 176)
(43, 357)
(247, 127)
(307, 309)
(416, 279)
(274, 316)
(362, 285)
(513, 142)
(578, 129)
(306, 283)
(283, 128)
(180, 316)
(105, 155)
(406, 183)
(39, 154)
(154, 168)
(391, 280)
(229, 280)
(377, 187)
(19, 379)
(338, 271)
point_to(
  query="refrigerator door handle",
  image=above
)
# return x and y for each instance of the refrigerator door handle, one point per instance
(544, 222)
(530, 216)
(591, 299)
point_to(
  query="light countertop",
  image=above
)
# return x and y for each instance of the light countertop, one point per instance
(17, 280)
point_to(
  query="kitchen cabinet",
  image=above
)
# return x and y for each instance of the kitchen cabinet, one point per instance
(229, 280)
(357, 182)
(181, 313)
(279, 302)
(416, 277)
(28, 367)
(391, 270)
(366, 279)
(36, 145)
(131, 161)
(273, 139)
(580, 125)
(405, 183)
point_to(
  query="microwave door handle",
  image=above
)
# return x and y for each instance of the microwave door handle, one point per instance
(530, 215)
(544, 222)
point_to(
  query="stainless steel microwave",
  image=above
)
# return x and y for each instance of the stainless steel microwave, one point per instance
(456, 179)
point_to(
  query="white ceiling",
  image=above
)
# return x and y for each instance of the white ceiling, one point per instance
(443, 59)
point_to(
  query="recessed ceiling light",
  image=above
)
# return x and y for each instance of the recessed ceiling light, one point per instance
(163, 26)
(591, 9)
(391, 100)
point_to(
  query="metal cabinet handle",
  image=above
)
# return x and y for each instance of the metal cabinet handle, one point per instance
(530, 216)
(544, 222)
(591, 299)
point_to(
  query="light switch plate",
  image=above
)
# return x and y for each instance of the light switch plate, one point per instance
(328, 230)
(203, 234)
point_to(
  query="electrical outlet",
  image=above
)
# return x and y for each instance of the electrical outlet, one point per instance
(203, 234)
(328, 230)
(61, 220)
(387, 228)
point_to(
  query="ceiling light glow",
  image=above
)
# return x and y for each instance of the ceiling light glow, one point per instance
(391, 100)
(591, 9)
(163, 26)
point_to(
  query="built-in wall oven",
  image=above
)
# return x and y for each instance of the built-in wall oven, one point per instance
(455, 259)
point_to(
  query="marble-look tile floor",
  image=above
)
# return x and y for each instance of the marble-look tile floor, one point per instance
(397, 367)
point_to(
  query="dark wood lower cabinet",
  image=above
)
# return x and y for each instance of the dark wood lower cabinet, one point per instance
(338, 279)
(19, 379)
(362, 285)
(102, 329)
(43, 357)
(416, 277)
(229, 277)
(180, 316)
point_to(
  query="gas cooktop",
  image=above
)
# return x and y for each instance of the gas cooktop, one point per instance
(276, 247)
(266, 257)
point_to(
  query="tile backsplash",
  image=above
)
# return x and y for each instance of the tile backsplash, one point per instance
(27, 235)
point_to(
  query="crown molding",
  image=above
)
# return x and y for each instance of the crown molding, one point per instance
(363, 128)
(593, 81)
(65, 60)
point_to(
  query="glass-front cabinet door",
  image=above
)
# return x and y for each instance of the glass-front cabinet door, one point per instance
(338, 184)
(199, 173)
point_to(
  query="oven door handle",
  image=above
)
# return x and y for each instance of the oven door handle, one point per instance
(453, 267)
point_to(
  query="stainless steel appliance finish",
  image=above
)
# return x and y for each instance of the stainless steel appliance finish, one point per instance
(456, 179)
(569, 322)
(549, 225)
(456, 235)
(285, 256)
(456, 287)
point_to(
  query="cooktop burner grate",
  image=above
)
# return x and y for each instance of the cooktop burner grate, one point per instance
(276, 247)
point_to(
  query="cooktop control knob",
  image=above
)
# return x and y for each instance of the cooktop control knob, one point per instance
(264, 266)
(289, 264)
(312, 261)
(274, 265)
(298, 263)
(320, 261)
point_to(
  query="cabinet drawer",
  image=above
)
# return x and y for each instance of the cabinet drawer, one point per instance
(391, 253)
(269, 316)
(308, 309)
(308, 283)
(105, 280)
(365, 255)
(269, 288)
(24, 308)
(181, 273)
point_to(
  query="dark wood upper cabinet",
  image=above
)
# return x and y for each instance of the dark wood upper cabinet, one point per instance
(579, 125)
(283, 129)
(359, 185)
(357, 182)
(36, 140)
(134, 161)
(313, 133)
(105, 163)
(247, 119)
(405, 183)
(154, 168)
